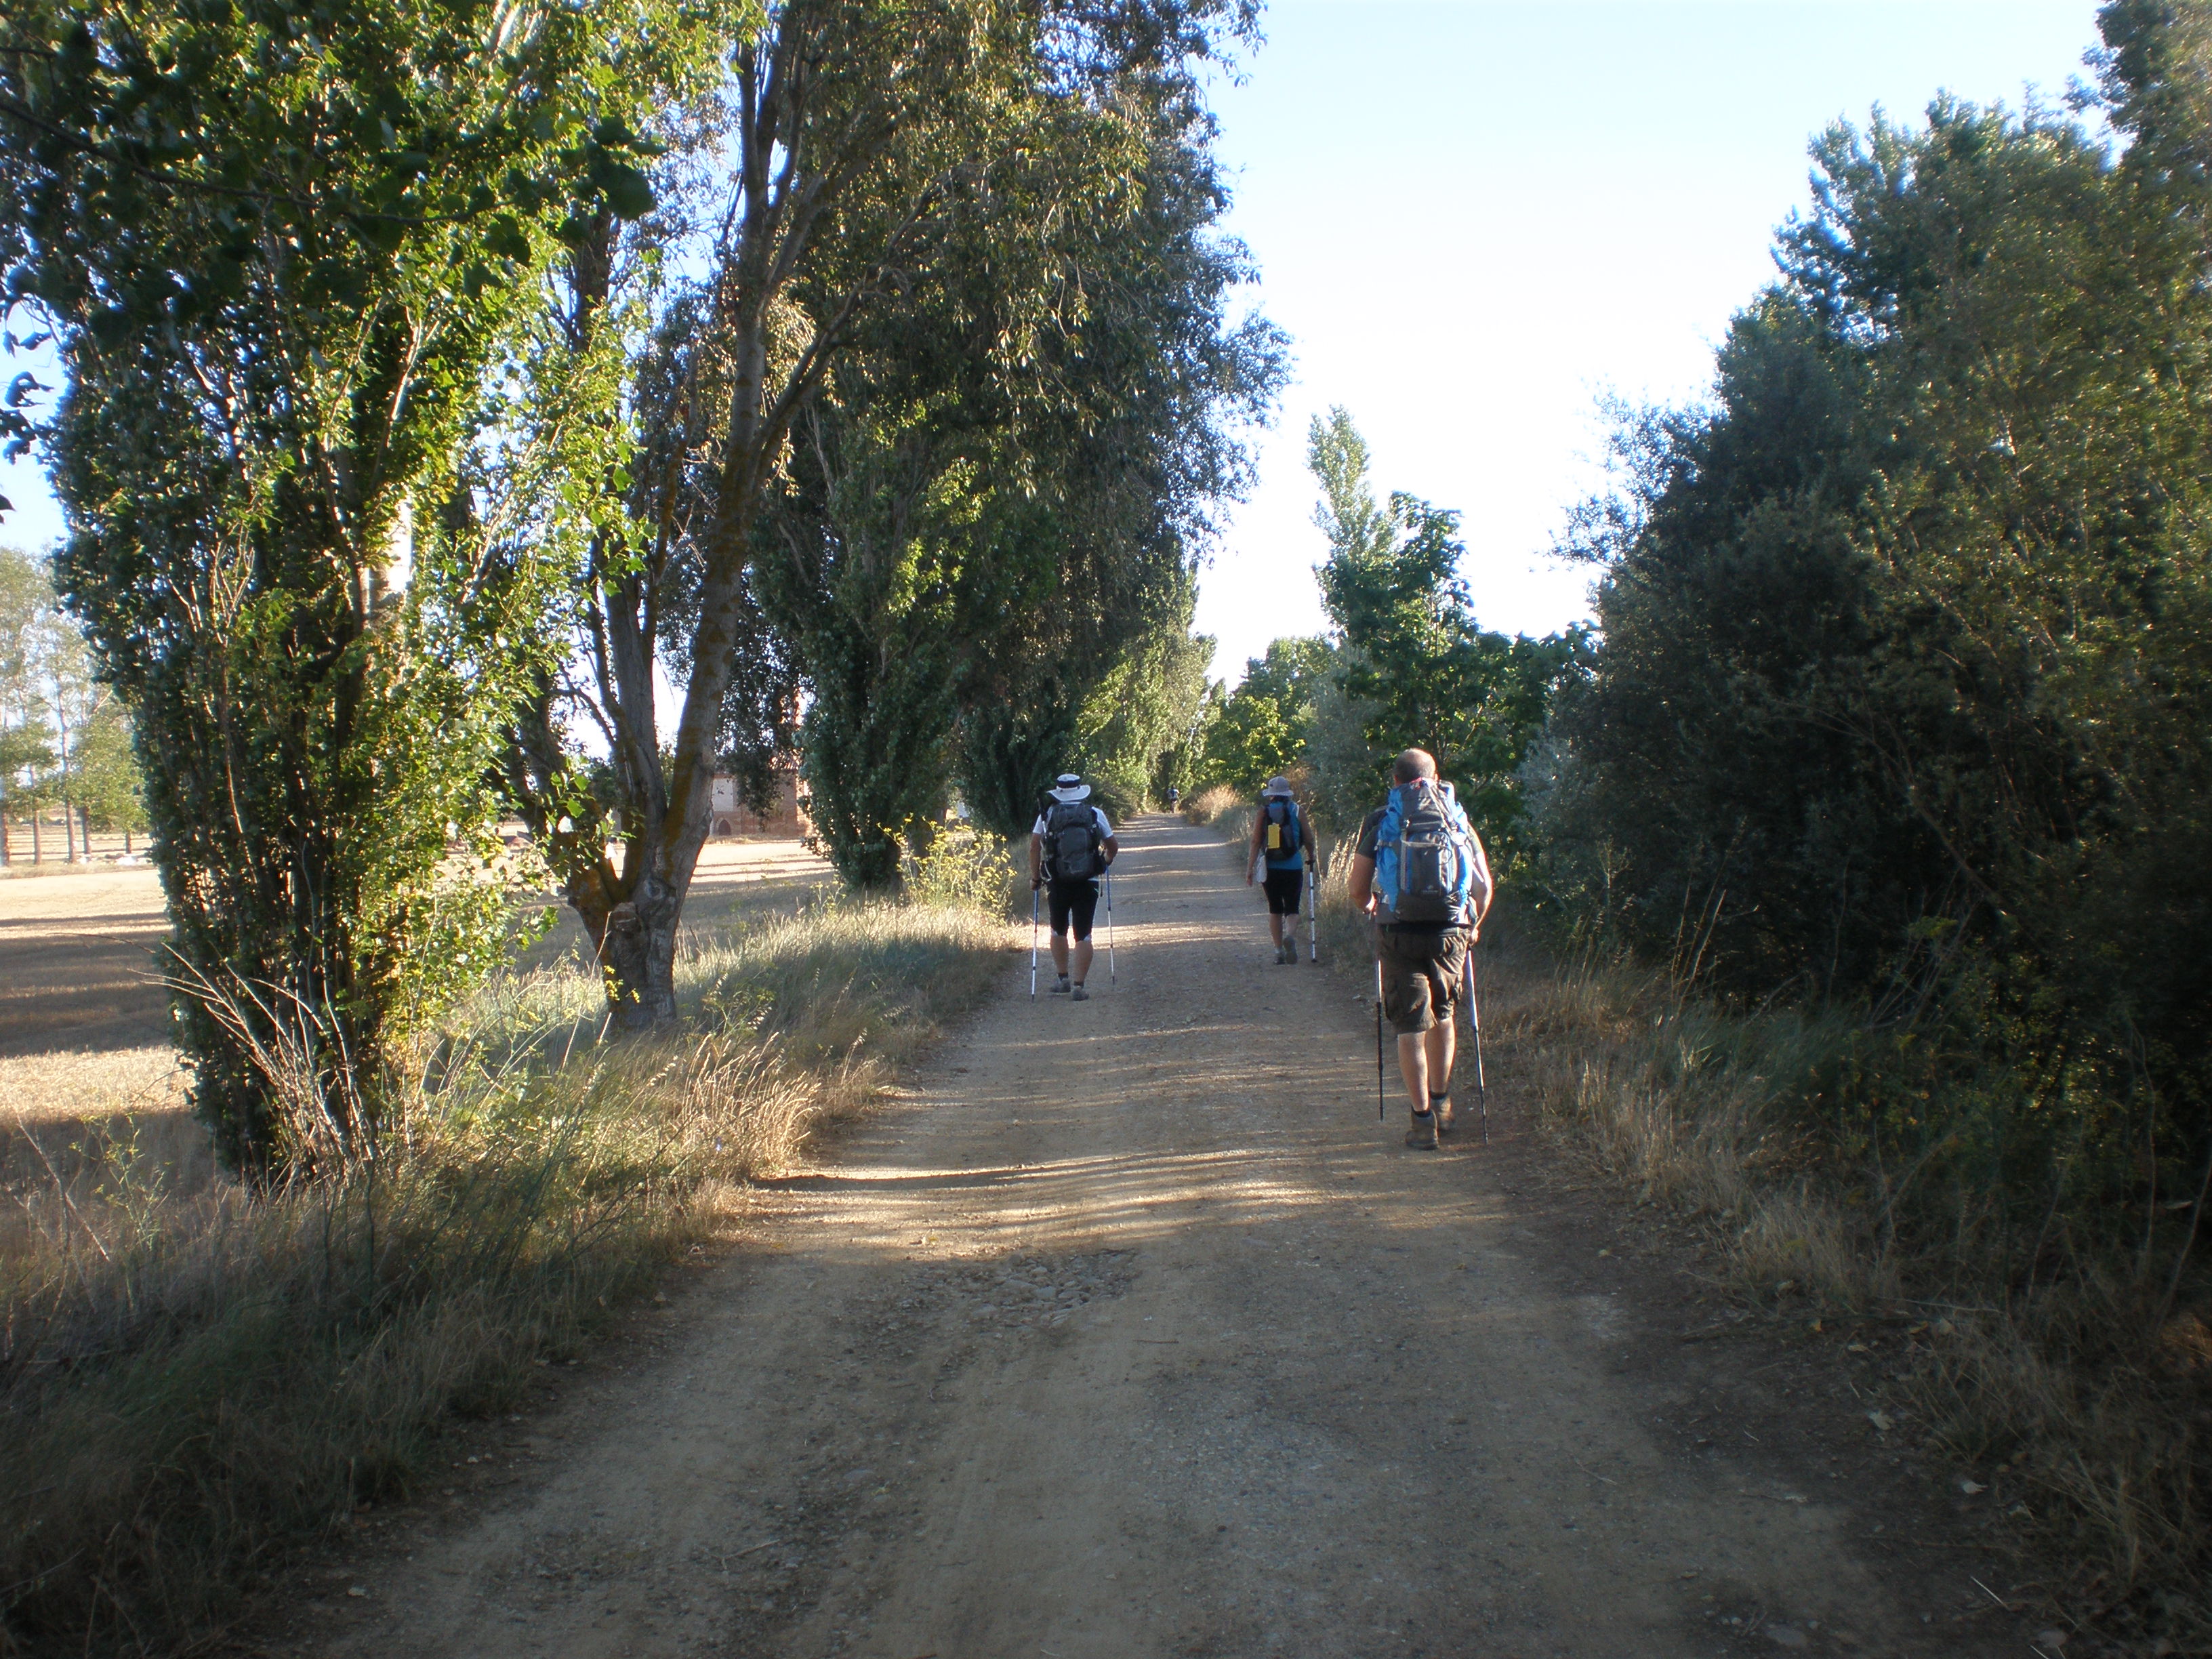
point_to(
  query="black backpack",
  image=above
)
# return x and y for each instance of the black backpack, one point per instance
(1073, 849)
(1285, 833)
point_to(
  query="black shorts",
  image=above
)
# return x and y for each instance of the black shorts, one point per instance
(1286, 889)
(1422, 971)
(1076, 901)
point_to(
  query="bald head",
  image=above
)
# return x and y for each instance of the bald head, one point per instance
(1412, 765)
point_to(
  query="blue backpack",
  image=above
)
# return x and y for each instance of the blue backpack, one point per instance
(1426, 860)
(1285, 833)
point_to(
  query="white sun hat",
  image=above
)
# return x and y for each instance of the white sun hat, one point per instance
(1070, 788)
(1278, 785)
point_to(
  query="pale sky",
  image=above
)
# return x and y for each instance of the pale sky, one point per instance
(1474, 219)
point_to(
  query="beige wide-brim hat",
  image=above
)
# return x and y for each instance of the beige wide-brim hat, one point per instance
(1069, 789)
(1276, 785)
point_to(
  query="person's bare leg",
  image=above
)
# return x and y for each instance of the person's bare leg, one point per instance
(1060, 955)
(1082, 960)
(1275, 929)
(1413, 1065)
(1440, 1049)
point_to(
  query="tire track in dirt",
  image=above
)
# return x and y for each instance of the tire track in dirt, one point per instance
(1129, 1332)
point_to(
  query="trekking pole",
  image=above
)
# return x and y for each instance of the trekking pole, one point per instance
(1033, 928)
(1111, 977)
(1474, 1021)
(1313, 907)
(1379, 1033)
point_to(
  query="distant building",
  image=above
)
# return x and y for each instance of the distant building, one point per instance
(732, 817)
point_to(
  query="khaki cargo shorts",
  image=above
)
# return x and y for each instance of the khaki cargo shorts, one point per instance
(1422, 973)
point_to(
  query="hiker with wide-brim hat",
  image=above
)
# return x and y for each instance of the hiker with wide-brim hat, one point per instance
(1420, 870)
(1280, 846)
(1071, 846)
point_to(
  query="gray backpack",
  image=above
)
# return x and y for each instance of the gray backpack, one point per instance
(1073, 849)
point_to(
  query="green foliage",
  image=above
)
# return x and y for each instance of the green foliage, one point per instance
(1263, 727)
(990, 518)
(25, 600)
(26, 644)
(281, 252)
(1341, 765)
(956, 361)
(105, 780)
(1140, 715)
(64, 738)
(963, 869)
(1904, 700)
(1412, 656)
(1180, 766)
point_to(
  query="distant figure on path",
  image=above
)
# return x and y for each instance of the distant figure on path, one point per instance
(1419, 870)
(1071, 846)
(1279, 838)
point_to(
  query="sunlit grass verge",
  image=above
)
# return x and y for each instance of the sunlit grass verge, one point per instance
(193, 1382)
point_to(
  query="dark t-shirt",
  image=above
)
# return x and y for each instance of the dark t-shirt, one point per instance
(1364, 847)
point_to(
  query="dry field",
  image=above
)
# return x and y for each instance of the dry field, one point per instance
(85, 1062)
(738, 881)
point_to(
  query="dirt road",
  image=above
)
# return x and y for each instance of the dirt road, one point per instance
(1131, 1332)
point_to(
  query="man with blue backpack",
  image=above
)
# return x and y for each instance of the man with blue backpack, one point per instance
(1278, 839)
(1418, 869)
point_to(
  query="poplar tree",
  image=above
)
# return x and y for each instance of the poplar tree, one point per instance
(1412, 657)
(865, 141)
(281, 247)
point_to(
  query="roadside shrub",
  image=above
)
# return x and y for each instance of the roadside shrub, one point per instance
(966, 868)
(1206, 807)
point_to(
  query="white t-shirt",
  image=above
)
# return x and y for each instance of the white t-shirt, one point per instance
(1105, 829)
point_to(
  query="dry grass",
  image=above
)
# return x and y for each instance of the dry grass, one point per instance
(193, 1379)
(67, 1118)
(2096, 1446)
(1206, 807)
(75, 1085)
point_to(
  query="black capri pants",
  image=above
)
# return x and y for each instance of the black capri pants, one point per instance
(1072, 900)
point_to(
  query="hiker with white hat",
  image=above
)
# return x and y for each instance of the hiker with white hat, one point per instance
(1280, 839)
(1070, 847)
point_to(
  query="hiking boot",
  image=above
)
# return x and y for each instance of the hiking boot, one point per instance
(1284, 953)
(1061, 989)
(1079, 994)
(1442, 1109)
(1422, 1137)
